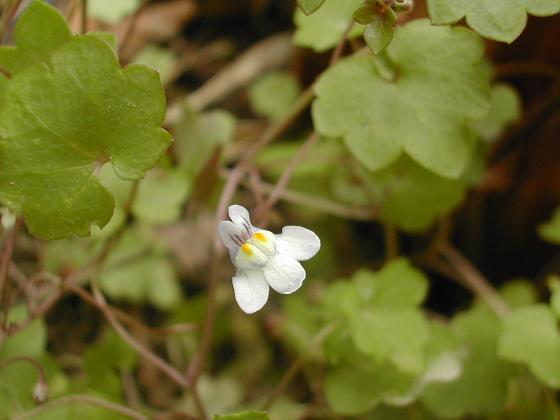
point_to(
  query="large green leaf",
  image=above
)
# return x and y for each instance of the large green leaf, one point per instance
(438, 85)
(501, 20)
(324, 29)
(383, 316)
(482, 387)
(64, 117)
(531, 337)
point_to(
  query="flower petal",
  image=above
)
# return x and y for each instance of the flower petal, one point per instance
(231, 236)
(240, 216)
(298, 242)
(251, 290)
(284, 274)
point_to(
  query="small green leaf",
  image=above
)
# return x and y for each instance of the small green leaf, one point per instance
(246, 415)
(399, 335)
(110, 11)
(310, 6)
(273, 94)
(423, 113)
(31, 341)
(105, 361)
(501, 20)
(161, 196)
(531, 337)
(482, 387)
(378, 33)
(413, 198)
(198, 135)
(550, 230)
(160, 59)
(324, 29)
(64, 118)
(138, 271)
(40, 30)
(364, 14)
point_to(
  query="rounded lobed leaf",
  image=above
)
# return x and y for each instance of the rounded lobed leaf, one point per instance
(424, 111)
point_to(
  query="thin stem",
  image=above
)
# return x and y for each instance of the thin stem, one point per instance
(82, 399)
(337, 53)
(129, 320)
(284, 179)
(27, 359)
(7, 12)
(302, 152)
(84, 17)
(474, 279)
(131, 29)
(154, 359)
(320, 203)
(298, 363)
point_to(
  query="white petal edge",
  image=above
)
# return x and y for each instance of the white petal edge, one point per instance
(298, 242)
(240, 216)
(251, 290)
(226, 230)
(284, 274)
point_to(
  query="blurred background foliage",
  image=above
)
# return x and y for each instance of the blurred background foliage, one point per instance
(393, 321)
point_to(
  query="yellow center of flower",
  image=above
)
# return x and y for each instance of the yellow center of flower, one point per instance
(247, 249)
(261, 237)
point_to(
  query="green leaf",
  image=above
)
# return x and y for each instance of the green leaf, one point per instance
(354, 389)
(518, 293)
(161, 196)
(531, 337)
(160, 59)
(324, 29)
(31, 341)
(379, 33)
(273, 94)
(481, 389)
(310, 6)
(550, 231)
(198, 135)
(397, 285)
(246, 415)
(364, 14)
(139, 272)
(40, 30)
(64, 118)
(501, 20)
(505, 108)
(399, 335)
(413, 198)
(382, 310)
(105, 361)
(424, 112)
(110, 11)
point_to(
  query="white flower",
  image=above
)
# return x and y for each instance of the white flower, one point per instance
(263, 259)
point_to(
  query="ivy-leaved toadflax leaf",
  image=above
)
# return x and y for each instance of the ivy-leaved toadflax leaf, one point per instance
(437, 87)
(501, 20)
(65, 116)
